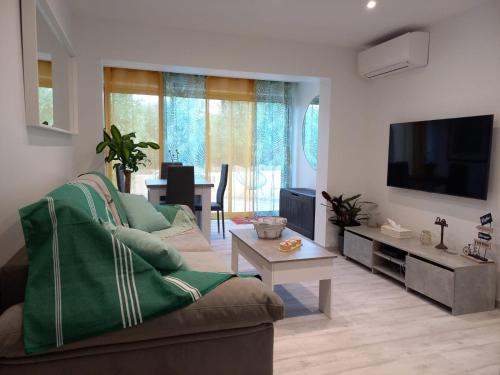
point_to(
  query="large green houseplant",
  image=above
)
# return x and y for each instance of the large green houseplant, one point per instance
(346, 213)
(123, 149)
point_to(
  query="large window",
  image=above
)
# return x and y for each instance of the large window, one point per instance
(138, 113)
(206, 122)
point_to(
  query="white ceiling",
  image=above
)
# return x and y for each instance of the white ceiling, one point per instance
(332, 22)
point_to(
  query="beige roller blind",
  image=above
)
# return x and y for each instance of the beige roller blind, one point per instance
(44, 73)
(132, 81)
(237, 89)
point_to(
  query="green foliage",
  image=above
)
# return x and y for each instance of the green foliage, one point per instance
(139, 114)
(347, 212)
(46, 106)
(122, 148)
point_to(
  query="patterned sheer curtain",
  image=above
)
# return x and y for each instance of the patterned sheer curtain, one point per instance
(185, 120)
(271, 144)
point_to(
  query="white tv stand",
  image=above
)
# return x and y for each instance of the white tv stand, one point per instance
(457, 282)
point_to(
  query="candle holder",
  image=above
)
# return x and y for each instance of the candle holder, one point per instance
(442, 223)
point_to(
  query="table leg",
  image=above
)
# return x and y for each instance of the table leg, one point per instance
(325, 297)
(205, 212)
(267, 278)
(154, 195)
(234, 255)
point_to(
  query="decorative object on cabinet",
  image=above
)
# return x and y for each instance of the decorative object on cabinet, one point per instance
(298, 206)
(442, 223)
(346, 212)
(477, 250)
(426, 237)
(395, 230)
(373, 214)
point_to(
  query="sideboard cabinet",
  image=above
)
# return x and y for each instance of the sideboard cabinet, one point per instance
(298, 206)
(450, 279)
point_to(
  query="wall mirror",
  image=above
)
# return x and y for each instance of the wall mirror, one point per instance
(49, 70)
(310, 133)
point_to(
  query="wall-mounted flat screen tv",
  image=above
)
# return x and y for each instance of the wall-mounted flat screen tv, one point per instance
(449, 156)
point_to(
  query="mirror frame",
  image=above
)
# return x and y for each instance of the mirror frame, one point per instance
(30, 65)
(303, 131)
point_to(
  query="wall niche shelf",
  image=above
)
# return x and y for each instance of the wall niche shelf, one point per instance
(52, 129)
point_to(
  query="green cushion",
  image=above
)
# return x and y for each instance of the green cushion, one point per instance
(151, 248)
(141, 214)
(169, 211)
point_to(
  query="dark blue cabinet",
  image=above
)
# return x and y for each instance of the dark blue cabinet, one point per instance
(298, 205)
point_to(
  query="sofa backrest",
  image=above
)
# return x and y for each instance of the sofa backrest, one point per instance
(98, 189)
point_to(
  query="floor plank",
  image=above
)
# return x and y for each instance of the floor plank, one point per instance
(376, 327)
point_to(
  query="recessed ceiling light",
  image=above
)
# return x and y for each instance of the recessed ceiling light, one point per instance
(371, 4)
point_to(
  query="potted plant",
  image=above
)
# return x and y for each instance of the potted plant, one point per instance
(346, 212)
(122, 148)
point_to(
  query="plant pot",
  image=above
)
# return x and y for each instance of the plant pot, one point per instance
(123, 179)
(340, 239)
(128, 178)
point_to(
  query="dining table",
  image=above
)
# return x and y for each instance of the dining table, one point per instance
(202, 187)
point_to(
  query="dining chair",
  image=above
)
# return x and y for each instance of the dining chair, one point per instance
(218, 205)
(164, 173)
(180, 186)
(164, 168)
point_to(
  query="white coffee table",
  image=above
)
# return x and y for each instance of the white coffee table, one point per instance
(310, 262)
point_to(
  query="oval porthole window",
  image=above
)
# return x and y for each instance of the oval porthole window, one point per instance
(310, 133)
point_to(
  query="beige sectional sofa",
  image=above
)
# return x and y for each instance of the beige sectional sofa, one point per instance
(228, 331)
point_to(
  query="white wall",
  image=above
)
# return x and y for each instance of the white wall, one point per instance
(344, 91)
(33, 161)
(462, 79)
(63, 15)
(303, 175)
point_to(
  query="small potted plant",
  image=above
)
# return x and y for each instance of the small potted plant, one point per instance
(122, 148)
(346, 213)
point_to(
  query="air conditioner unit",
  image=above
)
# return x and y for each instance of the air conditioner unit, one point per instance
(407, 51)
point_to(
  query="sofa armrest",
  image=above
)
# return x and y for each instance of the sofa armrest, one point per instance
(13, 278)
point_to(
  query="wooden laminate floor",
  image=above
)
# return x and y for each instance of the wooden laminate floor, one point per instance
(376, 328)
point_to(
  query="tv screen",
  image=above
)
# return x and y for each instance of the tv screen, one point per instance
(449, 156)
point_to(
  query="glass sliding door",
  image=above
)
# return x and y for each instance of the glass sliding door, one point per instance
(271, 145)
(210, 121)
(230, 128)
(230, 142)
